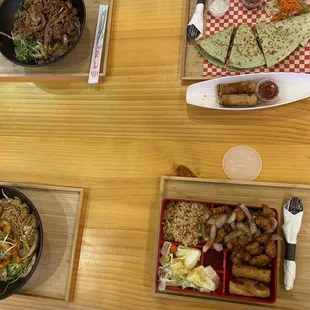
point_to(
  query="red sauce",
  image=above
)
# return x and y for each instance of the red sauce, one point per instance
(268, 90)
(251, 4)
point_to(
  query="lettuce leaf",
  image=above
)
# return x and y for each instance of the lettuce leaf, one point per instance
(190, 256)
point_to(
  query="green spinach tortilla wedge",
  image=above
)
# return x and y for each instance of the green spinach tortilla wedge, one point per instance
(276, 44)
(245, 53)
(215, 48)
(298, 27)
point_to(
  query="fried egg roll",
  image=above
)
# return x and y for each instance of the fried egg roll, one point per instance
(250, 288)
(237, 88)
(238, 100)
(251, 272)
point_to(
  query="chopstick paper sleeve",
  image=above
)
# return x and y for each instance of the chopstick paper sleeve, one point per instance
(290, 251)
(291, 228)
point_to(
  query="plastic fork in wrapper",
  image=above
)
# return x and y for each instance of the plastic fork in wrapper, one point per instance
(293, 212)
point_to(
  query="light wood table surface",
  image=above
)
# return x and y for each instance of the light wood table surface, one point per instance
(118, 138)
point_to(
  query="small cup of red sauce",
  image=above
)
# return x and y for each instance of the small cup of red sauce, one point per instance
(252, 4)
(267, 90)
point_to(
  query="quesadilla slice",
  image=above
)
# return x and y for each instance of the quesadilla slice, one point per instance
(276, 44)
(245, 53)
(215, 48)
(298, 27)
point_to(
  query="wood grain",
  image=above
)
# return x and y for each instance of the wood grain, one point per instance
(192, 62)
(60, 209)
(118, 138)
(77, 63)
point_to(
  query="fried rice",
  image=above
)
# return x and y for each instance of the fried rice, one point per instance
(182, 222)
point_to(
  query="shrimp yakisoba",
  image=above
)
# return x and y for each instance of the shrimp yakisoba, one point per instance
(18, 239)
(5, 227)
(5, 255)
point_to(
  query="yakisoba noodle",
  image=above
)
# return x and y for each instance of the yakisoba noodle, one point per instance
(18, 215)
(18, 239)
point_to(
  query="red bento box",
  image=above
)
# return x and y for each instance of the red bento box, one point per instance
(221, 263)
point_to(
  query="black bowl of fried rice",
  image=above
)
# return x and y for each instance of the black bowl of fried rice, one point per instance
(43, 31)
(21, 240)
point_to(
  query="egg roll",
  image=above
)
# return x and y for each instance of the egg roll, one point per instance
(238, 100)
(237, 88)
(251, 272)
(249, 288)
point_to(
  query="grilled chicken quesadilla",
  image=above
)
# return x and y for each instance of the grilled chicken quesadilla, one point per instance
(276, 44)
(245, 53)
(298, 27)
(215, 48)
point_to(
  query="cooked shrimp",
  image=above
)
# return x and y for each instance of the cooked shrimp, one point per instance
(17, 259)
(4, 262)
(5, 255)
(5, 227)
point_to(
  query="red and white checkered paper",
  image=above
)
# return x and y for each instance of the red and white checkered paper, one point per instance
(298, 61)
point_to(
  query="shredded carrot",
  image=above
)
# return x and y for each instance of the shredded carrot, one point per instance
(286, 7)
(289, 6)
(173, 249)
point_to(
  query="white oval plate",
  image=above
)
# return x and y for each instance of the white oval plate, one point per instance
(293, 87)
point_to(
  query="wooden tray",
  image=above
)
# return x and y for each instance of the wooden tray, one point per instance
(60, 210)
(193, 67)
(249, 193)
(192, 63)
(77, 62)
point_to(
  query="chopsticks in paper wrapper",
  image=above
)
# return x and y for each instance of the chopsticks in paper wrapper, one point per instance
(195, 26)
(98, 44)
(293, 213)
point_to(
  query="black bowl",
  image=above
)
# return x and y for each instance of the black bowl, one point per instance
(16, 286)
(8, 14)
